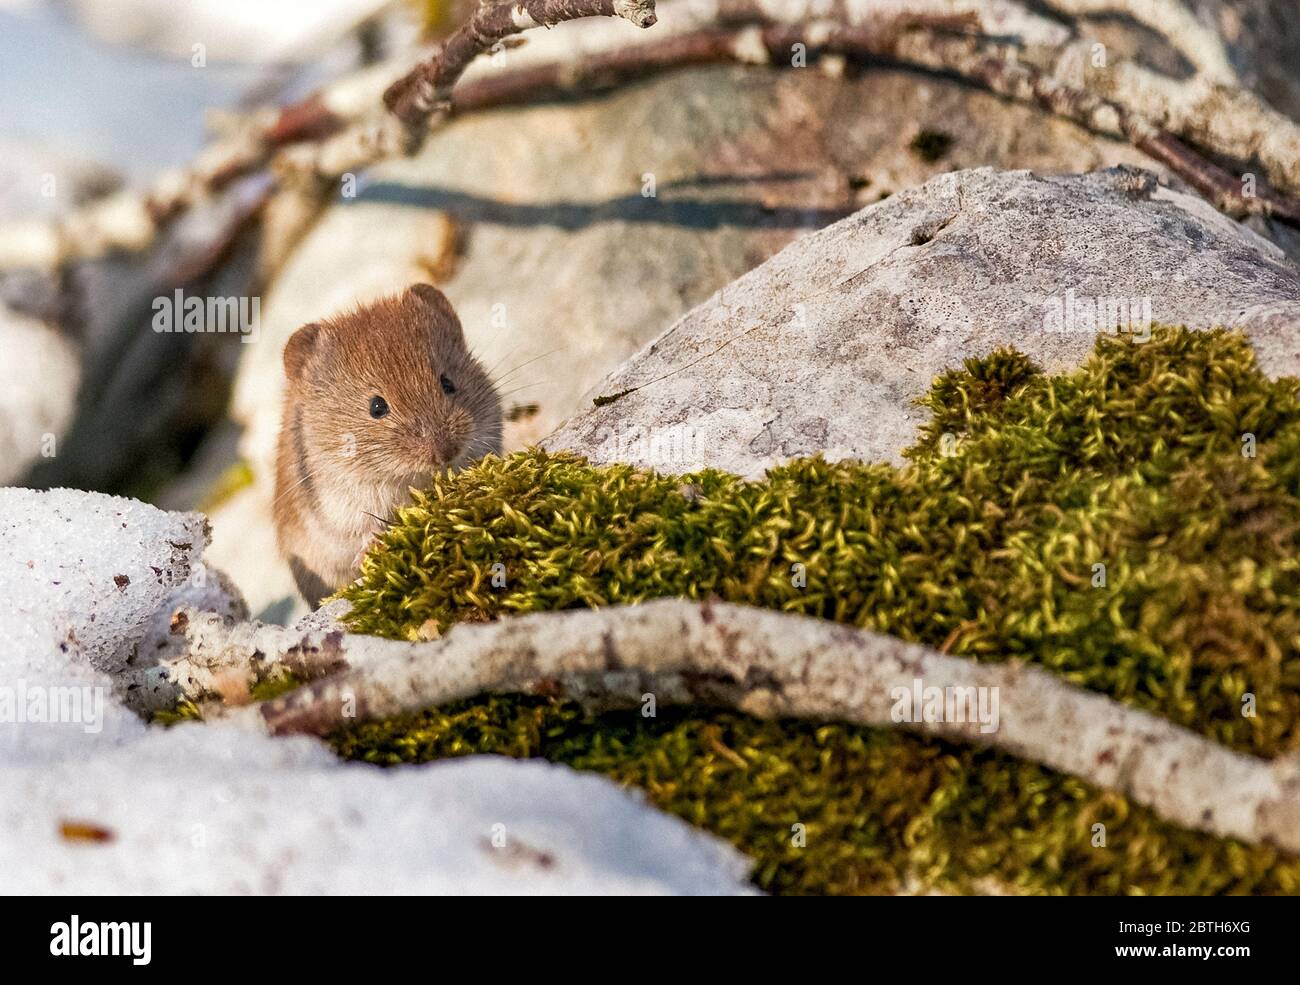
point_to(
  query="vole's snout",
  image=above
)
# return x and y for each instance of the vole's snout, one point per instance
(445, 448)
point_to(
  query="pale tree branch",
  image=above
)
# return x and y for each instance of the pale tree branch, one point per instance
(420, 100)
(1174, 22)
(130, 222)
(426, 89)
(763, 663)
(997, 68)
(1221, 119)
(1211, 110)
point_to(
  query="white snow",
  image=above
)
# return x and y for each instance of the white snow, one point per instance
(208, 809)
(81, 576)
(88, 582)
(88, 571)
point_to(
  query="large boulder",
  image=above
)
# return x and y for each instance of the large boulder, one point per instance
(825, 347)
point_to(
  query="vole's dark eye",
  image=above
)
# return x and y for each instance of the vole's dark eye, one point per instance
(378, 407)
(448, 387)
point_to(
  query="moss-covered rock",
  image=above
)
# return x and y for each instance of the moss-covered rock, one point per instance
(826, 808)
(1131, 525)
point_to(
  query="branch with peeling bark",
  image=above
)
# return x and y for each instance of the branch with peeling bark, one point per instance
(997, 68)
(918, 35)
(420, 101)
(764, 663)
(426, 89)
(1211, 110)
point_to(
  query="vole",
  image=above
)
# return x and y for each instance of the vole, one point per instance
(378, 399)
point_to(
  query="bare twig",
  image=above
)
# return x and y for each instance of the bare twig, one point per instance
(426, 89)
(997, 68)
(420, 100)
(768, 664)
(1225, 120)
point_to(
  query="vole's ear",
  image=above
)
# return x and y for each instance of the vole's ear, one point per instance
(299, 349)
(436, 302)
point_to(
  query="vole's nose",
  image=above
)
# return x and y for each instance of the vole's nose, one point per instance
(445, 449)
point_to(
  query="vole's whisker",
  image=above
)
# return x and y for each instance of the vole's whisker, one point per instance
(307, 476)
(510, 352)
(526, 362)
(526, 386)
(479, 443)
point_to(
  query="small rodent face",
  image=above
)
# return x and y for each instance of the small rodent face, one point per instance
(390, 392)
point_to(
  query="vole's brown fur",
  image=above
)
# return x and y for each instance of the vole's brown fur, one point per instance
(340, 472)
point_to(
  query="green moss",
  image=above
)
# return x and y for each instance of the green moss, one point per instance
(881, 810)
(989, 542)
(273, 687)
(986, 542)
(185, 711)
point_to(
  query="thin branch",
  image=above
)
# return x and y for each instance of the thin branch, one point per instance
(308, 132)
(426, 89)
(920, 36)
(1229, 121)
(772, 664)
(997, 68)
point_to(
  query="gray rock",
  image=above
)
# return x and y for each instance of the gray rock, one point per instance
(39, 375)
(825, 347)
